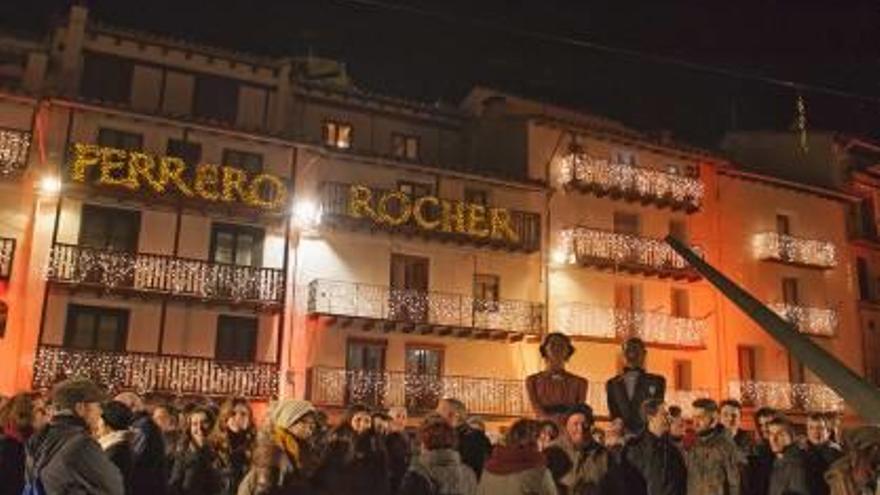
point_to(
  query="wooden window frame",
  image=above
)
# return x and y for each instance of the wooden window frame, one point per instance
(237, 229)
(406, 139)
(254, 332)
(74, 310)
(229, 152)
(325, 134)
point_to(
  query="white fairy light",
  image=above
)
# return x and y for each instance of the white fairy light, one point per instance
(14, 147)
(815, 321)
(786, 396)
(585, 245)
(789, 249)
(584, 320)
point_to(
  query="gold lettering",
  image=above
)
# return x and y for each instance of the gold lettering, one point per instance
(419, 214)
(359, 202)
(113, 161)
(452, 217)
(207, 180)
(477, 220)
(144, 166)
(84, 156)
(403, 210)
(267, 191)
(499, 222)
(172, 169)
(234, 183)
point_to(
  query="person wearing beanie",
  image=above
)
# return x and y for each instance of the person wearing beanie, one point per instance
(114, 436)
(517, 467)
(577, 462)
(283, 460)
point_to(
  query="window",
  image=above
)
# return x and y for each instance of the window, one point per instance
(115, 229)
(476, 196)
(216, 98)
(404, 146)
(337, 134)
(487, 288)
(236, 338)
(790, 291)
(96, 328)
(678, 230)
(414, 189)
(748, 371)
(4, 315)
(626, 223)
(680, 303)
(106, 78)
(252, 163)
(864, 279)
(627, 303)
(365, 368)
(189, 152)
(624, 157)
(783, 224)
(409, 288)
(424, 368)
(236, 244)
(683, 374)
(122, 140)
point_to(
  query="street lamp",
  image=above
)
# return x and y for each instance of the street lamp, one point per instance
(49, 185)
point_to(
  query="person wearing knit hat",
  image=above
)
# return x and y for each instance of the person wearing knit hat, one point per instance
(284, 458)
(115, 437)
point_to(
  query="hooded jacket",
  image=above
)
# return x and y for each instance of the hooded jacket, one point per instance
(438, 472)
(516, 470)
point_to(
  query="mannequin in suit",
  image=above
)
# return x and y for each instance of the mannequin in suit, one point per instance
(554, 391)
(627, 391)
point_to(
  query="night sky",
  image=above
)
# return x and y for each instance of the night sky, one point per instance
(834, 43)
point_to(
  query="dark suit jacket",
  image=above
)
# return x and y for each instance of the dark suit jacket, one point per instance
(648, 386)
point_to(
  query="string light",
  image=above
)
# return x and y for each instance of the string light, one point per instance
(7, 250)
(785, 396)
(789, 249)
(585, 245)
(435, 308)
(151, 373)
(615, 323)
(816, 321)
(579, 168)
(14, 147)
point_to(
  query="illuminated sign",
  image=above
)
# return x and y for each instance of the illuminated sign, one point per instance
(429, 213)
(135, 171)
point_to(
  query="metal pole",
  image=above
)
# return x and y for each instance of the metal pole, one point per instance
(863, 397)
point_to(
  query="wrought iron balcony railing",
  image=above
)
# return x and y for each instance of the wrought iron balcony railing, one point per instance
(627, 252)
(603, 177)
(796, 251)
(813, 321)
(439, 312)
(786, 396)
(526, 225)
(7, 255)
(339, 387)
(155, 373)
(615, 324)
(14, 145)
(166, 275)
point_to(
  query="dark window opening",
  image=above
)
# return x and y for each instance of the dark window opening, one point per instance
(476, 196)
(405, 146)
(96, 328)
(114, 229)
(424, 377)
(365, 372)
(236, 244)
(106, 78)
(216, 98)
(487, 289)
(252, 163)
(114, 138)
(236, 338)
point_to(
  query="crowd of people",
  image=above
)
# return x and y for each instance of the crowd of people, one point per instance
(78, 440)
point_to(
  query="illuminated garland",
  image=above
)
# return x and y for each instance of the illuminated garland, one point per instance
(580, 243)
(436, 308)
(789, 249)
(7, 250)
(149, 373)
(786, 396)
(613, 323)
(14, 146)
(580, 167)
(816, 321)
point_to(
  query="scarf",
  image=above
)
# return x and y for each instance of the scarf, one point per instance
(514, 459)
(113, 438)
(289, 444)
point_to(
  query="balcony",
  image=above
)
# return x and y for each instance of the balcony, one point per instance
(426, 312)
(338, 387)
(154, 373)
(615, 325)
(786, 396)
(7, 254)
(167, 276)
(630, 253)
(14, 147)
(812, 321)
(336, 197)
(601, 177)
(809, 253)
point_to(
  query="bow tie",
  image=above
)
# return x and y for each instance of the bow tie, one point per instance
(627, 369)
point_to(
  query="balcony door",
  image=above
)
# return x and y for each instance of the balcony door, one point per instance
(628, 308)
(234, 248)
(409, 288)
(365, 372)
(424, 377)
(114, 229)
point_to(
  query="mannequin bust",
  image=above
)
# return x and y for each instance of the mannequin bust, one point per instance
(554, 391)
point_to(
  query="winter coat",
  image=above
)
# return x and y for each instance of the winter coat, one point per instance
(659, 464)
(789, 475)
(713, 464)
(756, 480)
(399, 454)
(194, 471)
(12, 462)
(354, 464)
(818, 459)
(842, 481)
(281, 464)
(516, 471)
(588, 473)
(68, 461)
(620, 405)
(234, 459)
(151, 468)
(474, 447)
(438, 472)
(117, 447)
